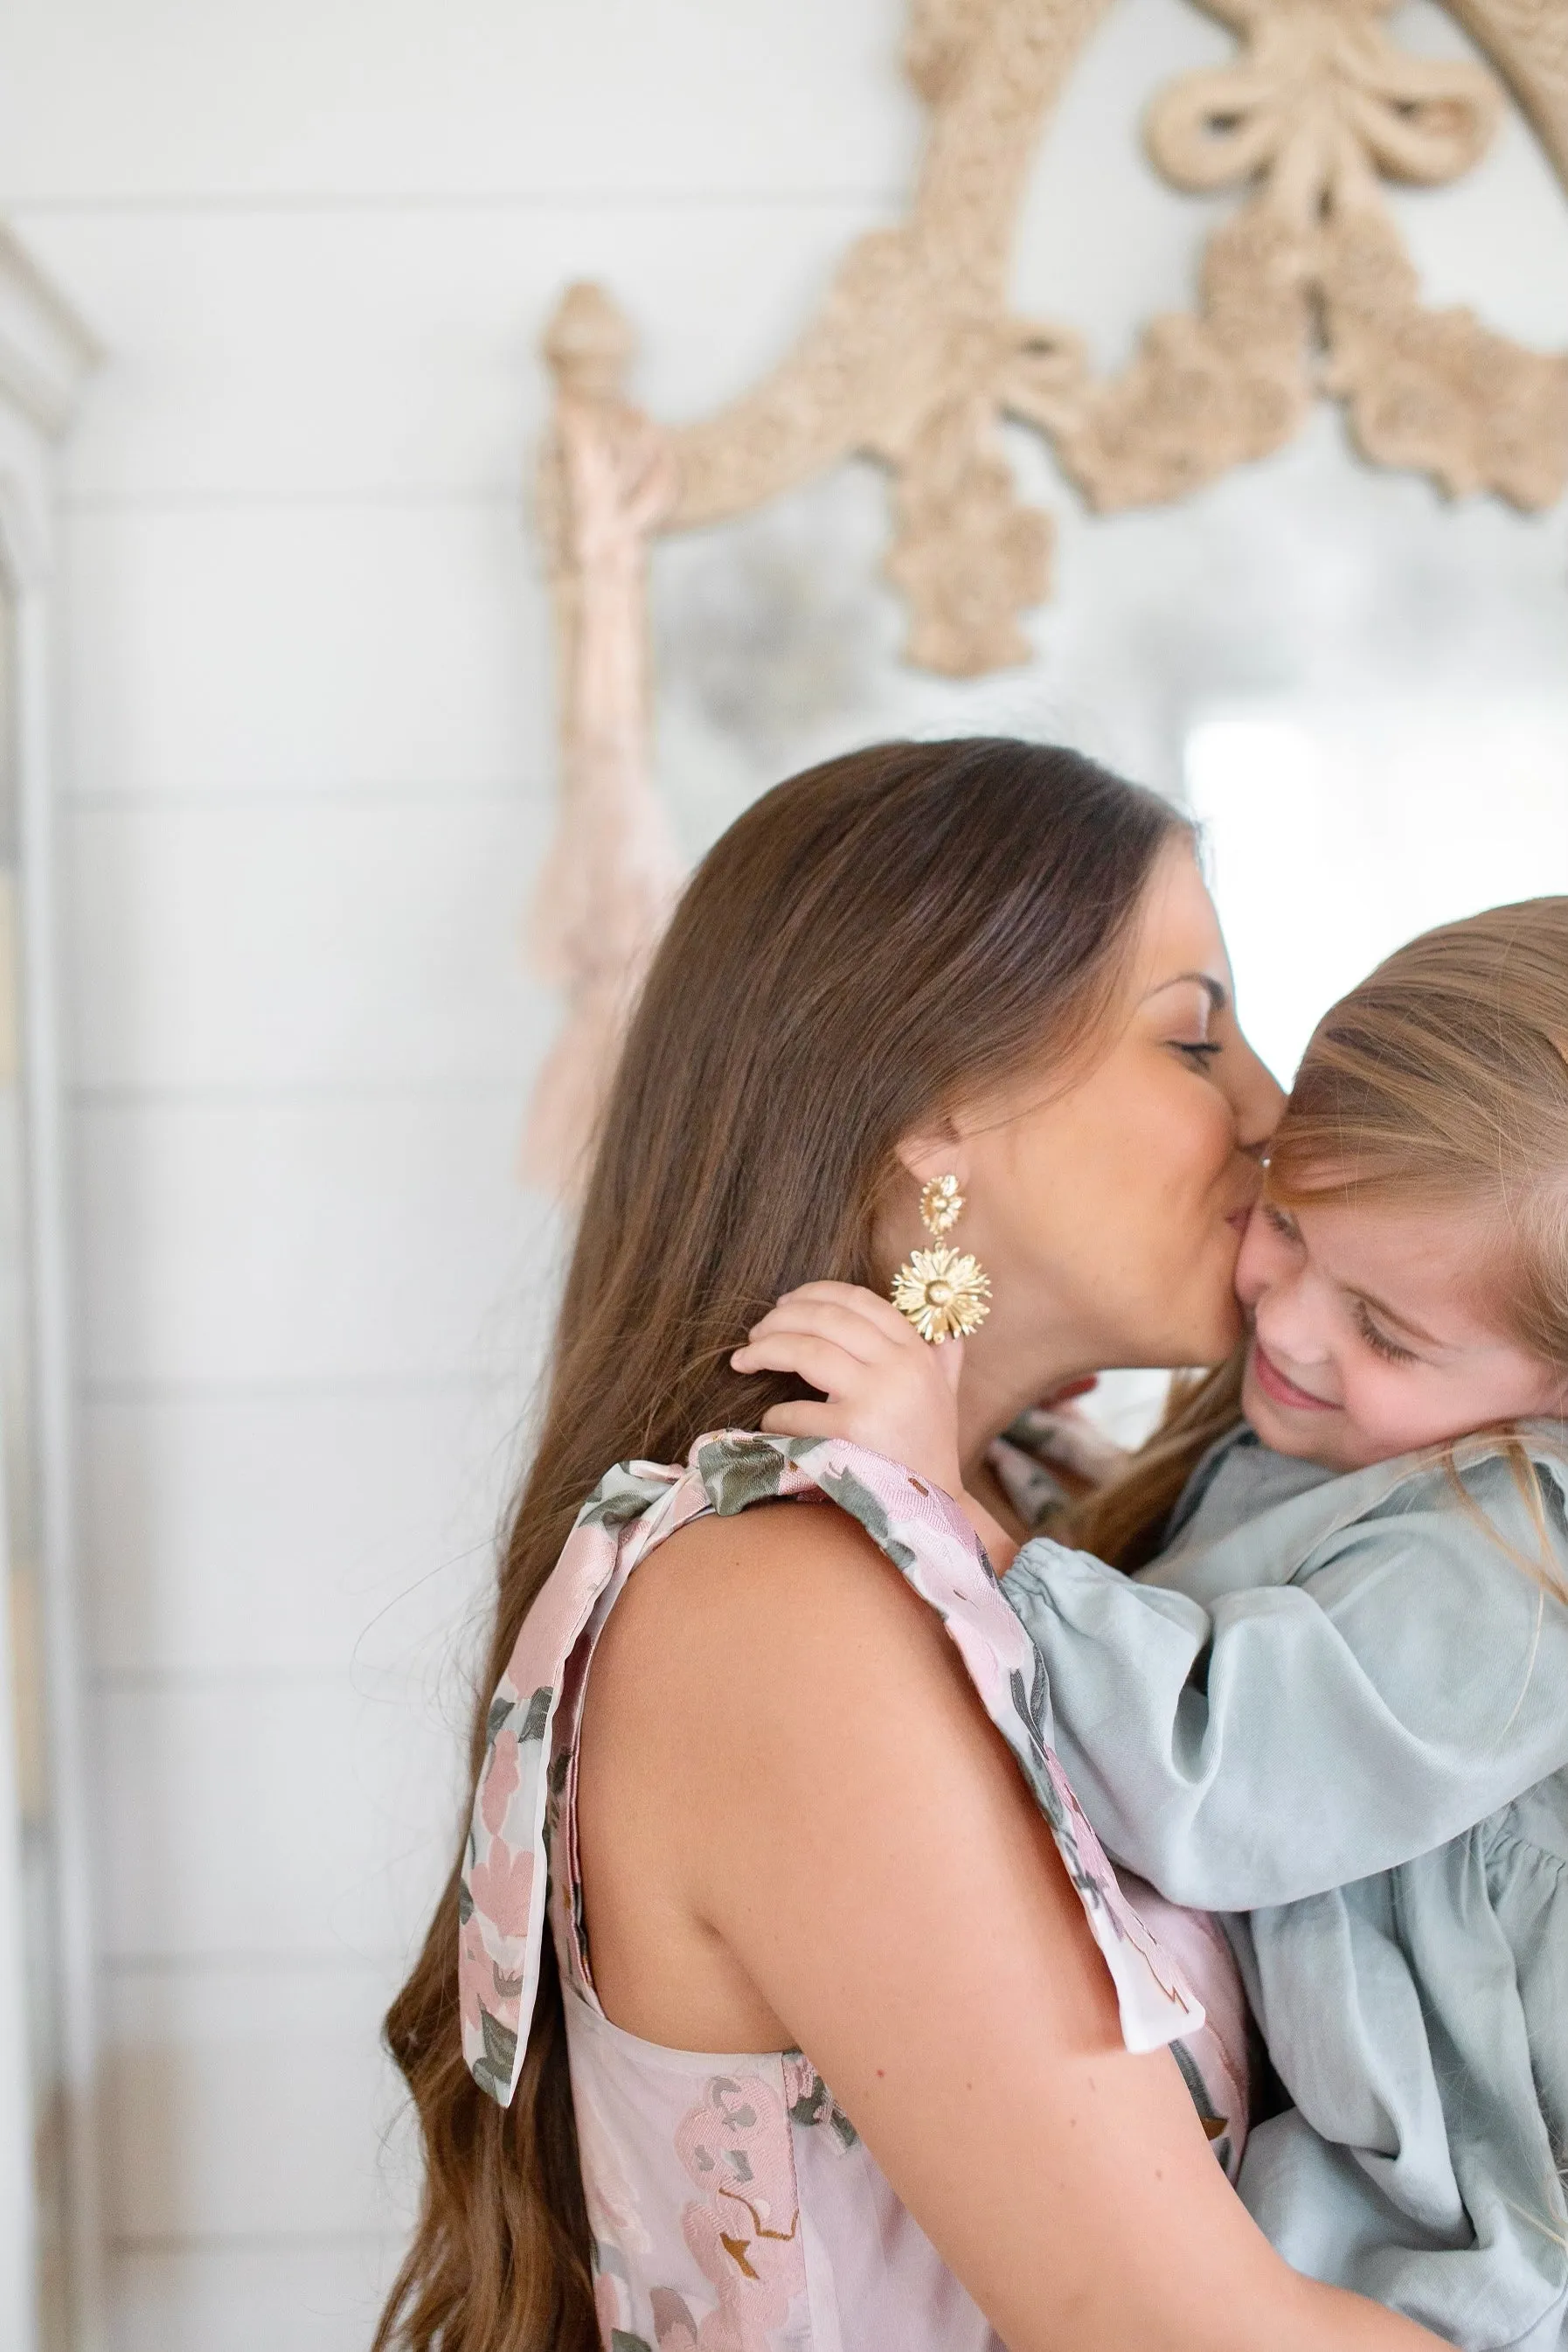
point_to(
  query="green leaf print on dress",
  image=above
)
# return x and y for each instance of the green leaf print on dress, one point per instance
(737, 1472)
(500, 2060)
(848, 1493)
(622, 1495)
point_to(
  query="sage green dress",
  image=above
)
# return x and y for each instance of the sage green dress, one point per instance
(1336, 1712)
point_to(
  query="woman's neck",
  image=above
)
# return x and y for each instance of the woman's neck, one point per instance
(1002, 1377)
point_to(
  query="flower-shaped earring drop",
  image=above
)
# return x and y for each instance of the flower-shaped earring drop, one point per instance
(945, 1293)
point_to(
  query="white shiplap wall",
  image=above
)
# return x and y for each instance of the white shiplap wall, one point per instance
(308, 770)
(308, 774)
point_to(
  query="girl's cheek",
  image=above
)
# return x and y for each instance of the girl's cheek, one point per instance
(1382, 1420)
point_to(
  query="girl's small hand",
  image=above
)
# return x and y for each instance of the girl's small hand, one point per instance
(883, 1387)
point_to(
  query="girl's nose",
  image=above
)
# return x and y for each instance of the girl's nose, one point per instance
(1287, 1324)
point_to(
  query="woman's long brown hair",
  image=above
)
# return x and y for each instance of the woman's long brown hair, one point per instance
(870, 943)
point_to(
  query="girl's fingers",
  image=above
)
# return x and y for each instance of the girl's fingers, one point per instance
(823, 1318)
(820, 1363)
(801, 1420)
(869, 1303)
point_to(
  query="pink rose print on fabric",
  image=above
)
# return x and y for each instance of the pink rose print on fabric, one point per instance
(614, 2215)
(674, 2328)
(501, 1885)
(802, 2082)
(743, 2233)
(502, 1778)
(473, 1973)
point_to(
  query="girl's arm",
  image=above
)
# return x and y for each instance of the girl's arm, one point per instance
(1291, 1738)
(1296, 1737)
(798, 1824)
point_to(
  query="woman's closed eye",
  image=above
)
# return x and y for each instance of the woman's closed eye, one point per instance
(1378, 1341)
(1199, 1055)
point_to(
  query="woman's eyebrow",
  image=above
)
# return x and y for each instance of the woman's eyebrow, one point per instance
(1215, 991)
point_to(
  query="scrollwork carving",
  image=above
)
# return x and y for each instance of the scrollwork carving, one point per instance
(914, 358)
(1319, 106)
(905, 358)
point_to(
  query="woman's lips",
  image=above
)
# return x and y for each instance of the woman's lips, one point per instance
(1281, 1389)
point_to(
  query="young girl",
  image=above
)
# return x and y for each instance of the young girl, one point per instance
(1335, 1709)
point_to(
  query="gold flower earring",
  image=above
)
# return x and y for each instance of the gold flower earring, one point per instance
(945, 1293)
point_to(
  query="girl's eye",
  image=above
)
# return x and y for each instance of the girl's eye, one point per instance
(1199, 1057)
(1283, 1224)
(1379, 1341)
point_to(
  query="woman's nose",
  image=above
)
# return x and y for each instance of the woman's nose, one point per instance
(1259, 1098)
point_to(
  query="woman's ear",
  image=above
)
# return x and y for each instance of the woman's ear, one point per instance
(937, 1151)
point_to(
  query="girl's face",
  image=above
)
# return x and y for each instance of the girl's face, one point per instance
(1371, 1335)
(1108, 1210)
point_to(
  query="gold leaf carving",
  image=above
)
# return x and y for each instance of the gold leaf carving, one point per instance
(907, 357)
(1319, 106)
(1435, 390)
(914, 358)
(1527, 40)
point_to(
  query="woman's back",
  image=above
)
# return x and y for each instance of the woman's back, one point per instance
(731, 2201)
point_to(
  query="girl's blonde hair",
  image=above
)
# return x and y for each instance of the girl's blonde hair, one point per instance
(1441, 1081)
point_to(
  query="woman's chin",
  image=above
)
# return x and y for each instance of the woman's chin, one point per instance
(1198, 1328)
(1216, 1334)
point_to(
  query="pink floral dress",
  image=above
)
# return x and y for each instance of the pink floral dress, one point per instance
(733, 2207)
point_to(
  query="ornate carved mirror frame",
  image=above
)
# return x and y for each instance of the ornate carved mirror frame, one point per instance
(915, 359)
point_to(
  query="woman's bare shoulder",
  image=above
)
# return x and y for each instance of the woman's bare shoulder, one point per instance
(754, 1670)
(783, 1584)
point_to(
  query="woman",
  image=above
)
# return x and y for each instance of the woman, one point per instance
(982, 958)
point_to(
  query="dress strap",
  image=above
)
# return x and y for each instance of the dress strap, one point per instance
(636, 1506)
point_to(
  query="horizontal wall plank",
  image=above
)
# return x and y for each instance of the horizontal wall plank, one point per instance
(246, 2104)
(206, 96)
(221, 947)
(322, 352)
(324, 647)
(309, 1533)
(240, 2298)
(305, 1821)
(378, 1238)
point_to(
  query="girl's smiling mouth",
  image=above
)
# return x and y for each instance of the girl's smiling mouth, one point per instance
(1278, 1387)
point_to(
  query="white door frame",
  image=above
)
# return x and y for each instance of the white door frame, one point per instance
(45, 352)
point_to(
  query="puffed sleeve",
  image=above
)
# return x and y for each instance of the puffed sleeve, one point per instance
(1403, 1682)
